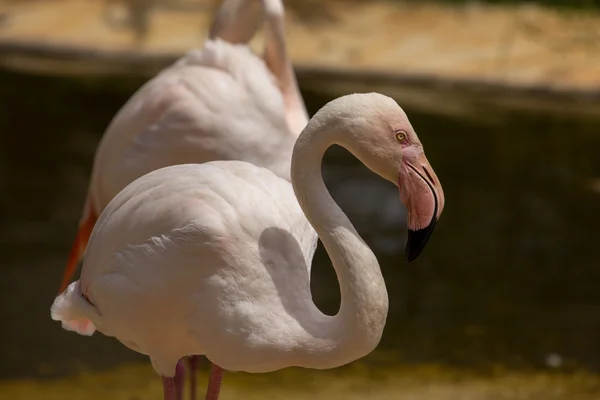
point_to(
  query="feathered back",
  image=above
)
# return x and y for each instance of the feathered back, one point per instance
(218, 103)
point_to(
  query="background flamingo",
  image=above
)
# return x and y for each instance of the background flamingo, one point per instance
(213, 258)
(218, 103)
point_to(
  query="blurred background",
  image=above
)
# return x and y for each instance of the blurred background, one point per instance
(505, 96)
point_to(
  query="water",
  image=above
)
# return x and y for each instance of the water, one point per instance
(510, 277)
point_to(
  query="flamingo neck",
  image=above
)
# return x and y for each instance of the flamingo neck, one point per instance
(236, 21)
(357, 328)
(278, 61)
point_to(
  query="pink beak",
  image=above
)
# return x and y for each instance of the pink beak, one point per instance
(422, 194)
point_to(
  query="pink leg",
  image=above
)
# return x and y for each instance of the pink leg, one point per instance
(179, 379)
(169, 388)
(214, 383)
(193, 361)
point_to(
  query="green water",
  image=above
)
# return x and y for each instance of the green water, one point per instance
(510, 277)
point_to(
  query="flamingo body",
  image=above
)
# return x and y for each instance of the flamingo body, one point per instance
(215, 263)
(217, 103)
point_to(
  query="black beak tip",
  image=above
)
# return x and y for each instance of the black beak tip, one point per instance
(417, 240)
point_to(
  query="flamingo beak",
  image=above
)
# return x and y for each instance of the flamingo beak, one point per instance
(422, 194)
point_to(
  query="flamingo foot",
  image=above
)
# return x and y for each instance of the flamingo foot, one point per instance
(193, 362)
(179, 379)
(169, 388)
(214, 382)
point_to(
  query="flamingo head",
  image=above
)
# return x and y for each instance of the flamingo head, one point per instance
(378, 132)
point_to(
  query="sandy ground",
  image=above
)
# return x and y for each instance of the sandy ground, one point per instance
(524, 45)
(140, 382)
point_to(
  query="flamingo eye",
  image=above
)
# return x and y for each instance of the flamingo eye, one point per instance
(401, 136)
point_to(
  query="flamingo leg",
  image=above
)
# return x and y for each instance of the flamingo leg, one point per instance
(179, 379)
(193, 362)
(169, 388)
(214, 382)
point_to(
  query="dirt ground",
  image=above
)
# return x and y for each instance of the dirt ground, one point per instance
(432, 383)
(522, 45)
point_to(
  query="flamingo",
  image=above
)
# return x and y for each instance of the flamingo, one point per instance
(222, 102)
(218, 103)
(214, 258)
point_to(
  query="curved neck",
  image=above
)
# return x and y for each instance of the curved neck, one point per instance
(278, 61)
(236, 21)
(356, 330)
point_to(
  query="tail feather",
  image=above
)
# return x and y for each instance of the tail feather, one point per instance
(81, 240)
(74, 311)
